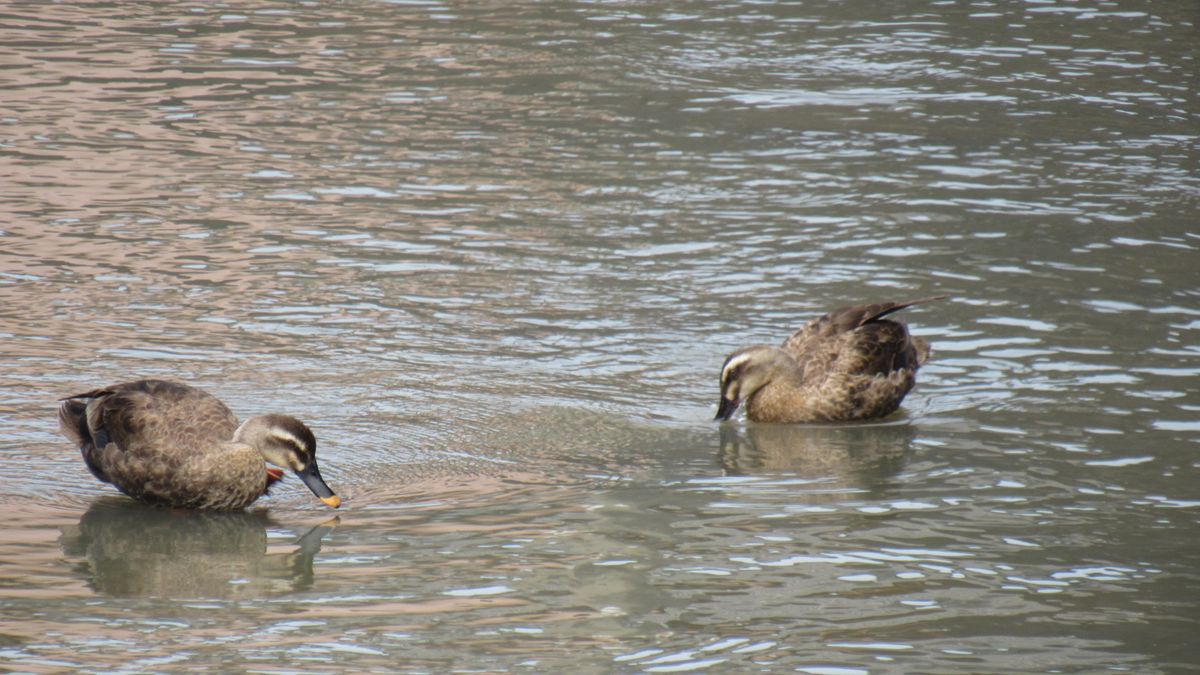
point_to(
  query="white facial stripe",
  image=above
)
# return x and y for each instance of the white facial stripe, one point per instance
(286, 438)
(735, 363)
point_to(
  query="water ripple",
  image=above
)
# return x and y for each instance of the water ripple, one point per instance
(496, 258)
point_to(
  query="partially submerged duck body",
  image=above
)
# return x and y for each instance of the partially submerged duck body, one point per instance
(169, 444)
(850, 364)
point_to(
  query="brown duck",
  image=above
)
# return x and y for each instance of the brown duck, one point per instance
(170, 444)
(851, 364)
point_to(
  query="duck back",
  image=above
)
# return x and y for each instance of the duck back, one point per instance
(163, 443)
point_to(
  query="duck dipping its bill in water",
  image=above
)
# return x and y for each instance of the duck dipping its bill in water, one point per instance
(851, 364)
(170, 444)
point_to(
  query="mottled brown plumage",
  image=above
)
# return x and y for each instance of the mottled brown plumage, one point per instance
(170, 444)
(850, 364)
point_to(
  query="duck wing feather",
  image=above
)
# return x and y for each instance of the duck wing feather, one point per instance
(144, 427)
(858, 339)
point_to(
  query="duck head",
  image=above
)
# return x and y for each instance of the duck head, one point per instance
(744, 373)
(286, 442)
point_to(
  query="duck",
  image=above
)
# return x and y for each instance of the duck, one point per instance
(170, 444)
(851, 364)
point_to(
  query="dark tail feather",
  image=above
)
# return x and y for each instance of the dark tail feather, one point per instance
(72, 419)
(877, 312)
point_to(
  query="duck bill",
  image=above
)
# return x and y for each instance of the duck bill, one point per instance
(725, 409)
(311, 476)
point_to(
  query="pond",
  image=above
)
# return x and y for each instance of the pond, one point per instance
(495, 256)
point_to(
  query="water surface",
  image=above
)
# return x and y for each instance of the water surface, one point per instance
(495, 256)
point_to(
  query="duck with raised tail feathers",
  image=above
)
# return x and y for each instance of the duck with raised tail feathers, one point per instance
(850, 364)
(169, 444)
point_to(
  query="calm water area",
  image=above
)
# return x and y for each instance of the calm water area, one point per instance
(495, 254)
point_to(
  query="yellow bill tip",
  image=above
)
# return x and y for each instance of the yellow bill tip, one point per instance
(332, 501)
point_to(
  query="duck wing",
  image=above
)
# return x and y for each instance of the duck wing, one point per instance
(143, 427)
(858, 339)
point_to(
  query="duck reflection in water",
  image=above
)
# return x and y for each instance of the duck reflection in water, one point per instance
(857, 457)
(134, 550)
